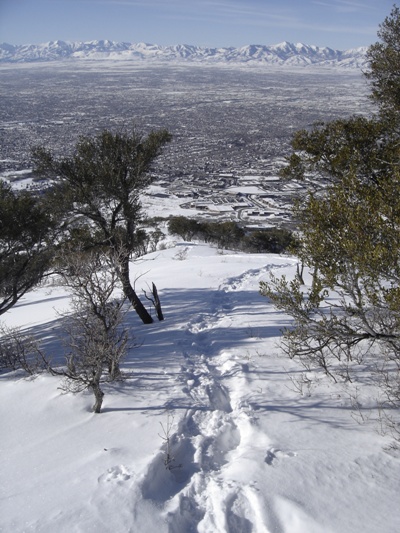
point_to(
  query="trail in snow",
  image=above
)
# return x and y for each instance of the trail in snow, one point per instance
(245, 453)
(196, 497)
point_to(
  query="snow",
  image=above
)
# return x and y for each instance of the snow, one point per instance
(245, 190)
(160, 203)
(283, 54)
(247, 452)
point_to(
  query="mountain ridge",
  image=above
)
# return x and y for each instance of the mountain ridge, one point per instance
(285, 53)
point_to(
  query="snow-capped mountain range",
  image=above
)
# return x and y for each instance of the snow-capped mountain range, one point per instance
(284, 53)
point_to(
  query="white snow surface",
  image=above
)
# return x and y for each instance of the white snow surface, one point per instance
(248, 453)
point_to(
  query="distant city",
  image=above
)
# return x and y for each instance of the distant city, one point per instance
(231, 127)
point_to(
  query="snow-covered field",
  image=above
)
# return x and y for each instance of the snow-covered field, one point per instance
(247, 452)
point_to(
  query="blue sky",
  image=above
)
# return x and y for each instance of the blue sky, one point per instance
(339, 24)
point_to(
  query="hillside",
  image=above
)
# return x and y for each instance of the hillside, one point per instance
(248, 453)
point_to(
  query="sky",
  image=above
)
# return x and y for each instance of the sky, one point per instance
(338, 24)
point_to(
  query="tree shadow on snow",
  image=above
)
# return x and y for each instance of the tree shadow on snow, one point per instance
(197, 327)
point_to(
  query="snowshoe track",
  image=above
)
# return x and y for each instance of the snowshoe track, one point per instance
(194, 495)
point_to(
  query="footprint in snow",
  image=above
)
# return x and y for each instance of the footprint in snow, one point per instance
(273, 454)
(115, 474)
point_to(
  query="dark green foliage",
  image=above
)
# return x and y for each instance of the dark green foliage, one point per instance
(96, 193)
(384, 60)
(270, 240)
(223, 234)
(25, 244)
(186, 228)
(330, 151)
(102, 182)
(231, 235)
(348, 317)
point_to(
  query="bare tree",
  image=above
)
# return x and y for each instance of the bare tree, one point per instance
(96, 337)
(19, 351)
(94, 350)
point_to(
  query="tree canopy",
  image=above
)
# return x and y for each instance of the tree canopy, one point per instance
(384, 64)
(25, 243)
(96, 192)
(348, 316)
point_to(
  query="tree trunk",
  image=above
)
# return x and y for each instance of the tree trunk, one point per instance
(157, 303)
(299, 272)
(98, 394)
(129, 292)
(114, 370)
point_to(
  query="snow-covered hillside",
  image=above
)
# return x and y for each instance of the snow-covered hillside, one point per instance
(248, 453)
(279, 54)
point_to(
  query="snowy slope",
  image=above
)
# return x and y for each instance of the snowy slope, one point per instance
(248, 454)
(284, 53)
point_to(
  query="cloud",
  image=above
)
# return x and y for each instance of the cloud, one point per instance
(255, 13)
(228, 11)
(226, 8)
(344, 6)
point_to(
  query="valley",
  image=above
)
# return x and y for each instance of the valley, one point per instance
(231, 125)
